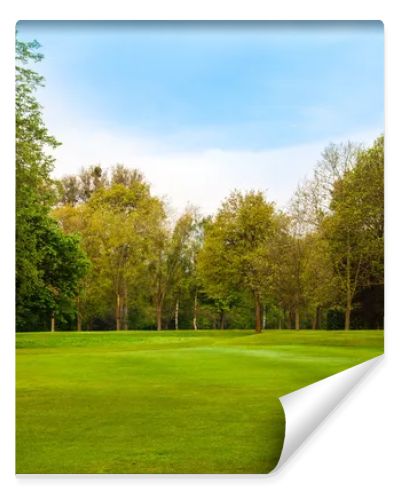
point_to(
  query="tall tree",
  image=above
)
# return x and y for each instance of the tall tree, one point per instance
(172, 263)
(122, 232)
(185, 244)
(296, 256)
(237, 250)
(355, 228)
(48, 265)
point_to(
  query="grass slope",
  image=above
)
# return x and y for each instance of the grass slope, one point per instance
(169, 402)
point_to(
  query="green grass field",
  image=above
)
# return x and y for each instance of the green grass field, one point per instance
(167, 402)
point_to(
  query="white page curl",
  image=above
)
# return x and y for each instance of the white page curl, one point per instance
(306, 408)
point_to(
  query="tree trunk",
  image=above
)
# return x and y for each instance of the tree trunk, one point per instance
(177, 314)
(348, 304)
(125, 316)
(159, 315)
(125, 309)
(195, 312)
(348, 288)
(297, 318)
(222, 319)
(53, 323)
(264, 317)
(160, 294)
(318, 318)
(258, 313)
(314, 322)
(289, 320)
(347, 316)
(78, 315)
(118, 313)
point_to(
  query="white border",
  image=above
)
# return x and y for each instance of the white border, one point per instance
(354, 454)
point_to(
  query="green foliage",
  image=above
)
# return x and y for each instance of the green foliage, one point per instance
(48, 264)
(120, 226)
(178, 278)
(249, 265)
(215, 272)
(238, 250)
(355, 227)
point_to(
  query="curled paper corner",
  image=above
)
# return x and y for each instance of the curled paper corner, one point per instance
(308, 407)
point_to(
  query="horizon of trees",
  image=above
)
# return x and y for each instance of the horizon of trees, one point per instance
(98, 251)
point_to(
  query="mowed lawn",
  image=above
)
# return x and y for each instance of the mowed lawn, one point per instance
(167, 402)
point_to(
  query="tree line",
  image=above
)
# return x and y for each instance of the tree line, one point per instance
(99, 251)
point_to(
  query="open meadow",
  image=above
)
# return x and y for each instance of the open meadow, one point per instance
(167, 402)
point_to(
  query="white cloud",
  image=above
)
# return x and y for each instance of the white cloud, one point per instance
(202, 178)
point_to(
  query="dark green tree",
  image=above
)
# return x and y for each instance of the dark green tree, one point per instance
(48, 264)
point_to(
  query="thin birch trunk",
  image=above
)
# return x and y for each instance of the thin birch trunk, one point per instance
(118, 313)
(195, 311)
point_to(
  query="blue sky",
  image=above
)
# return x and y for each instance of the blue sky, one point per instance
(192, 100)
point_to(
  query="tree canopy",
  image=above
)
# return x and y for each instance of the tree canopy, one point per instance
(98, 250)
